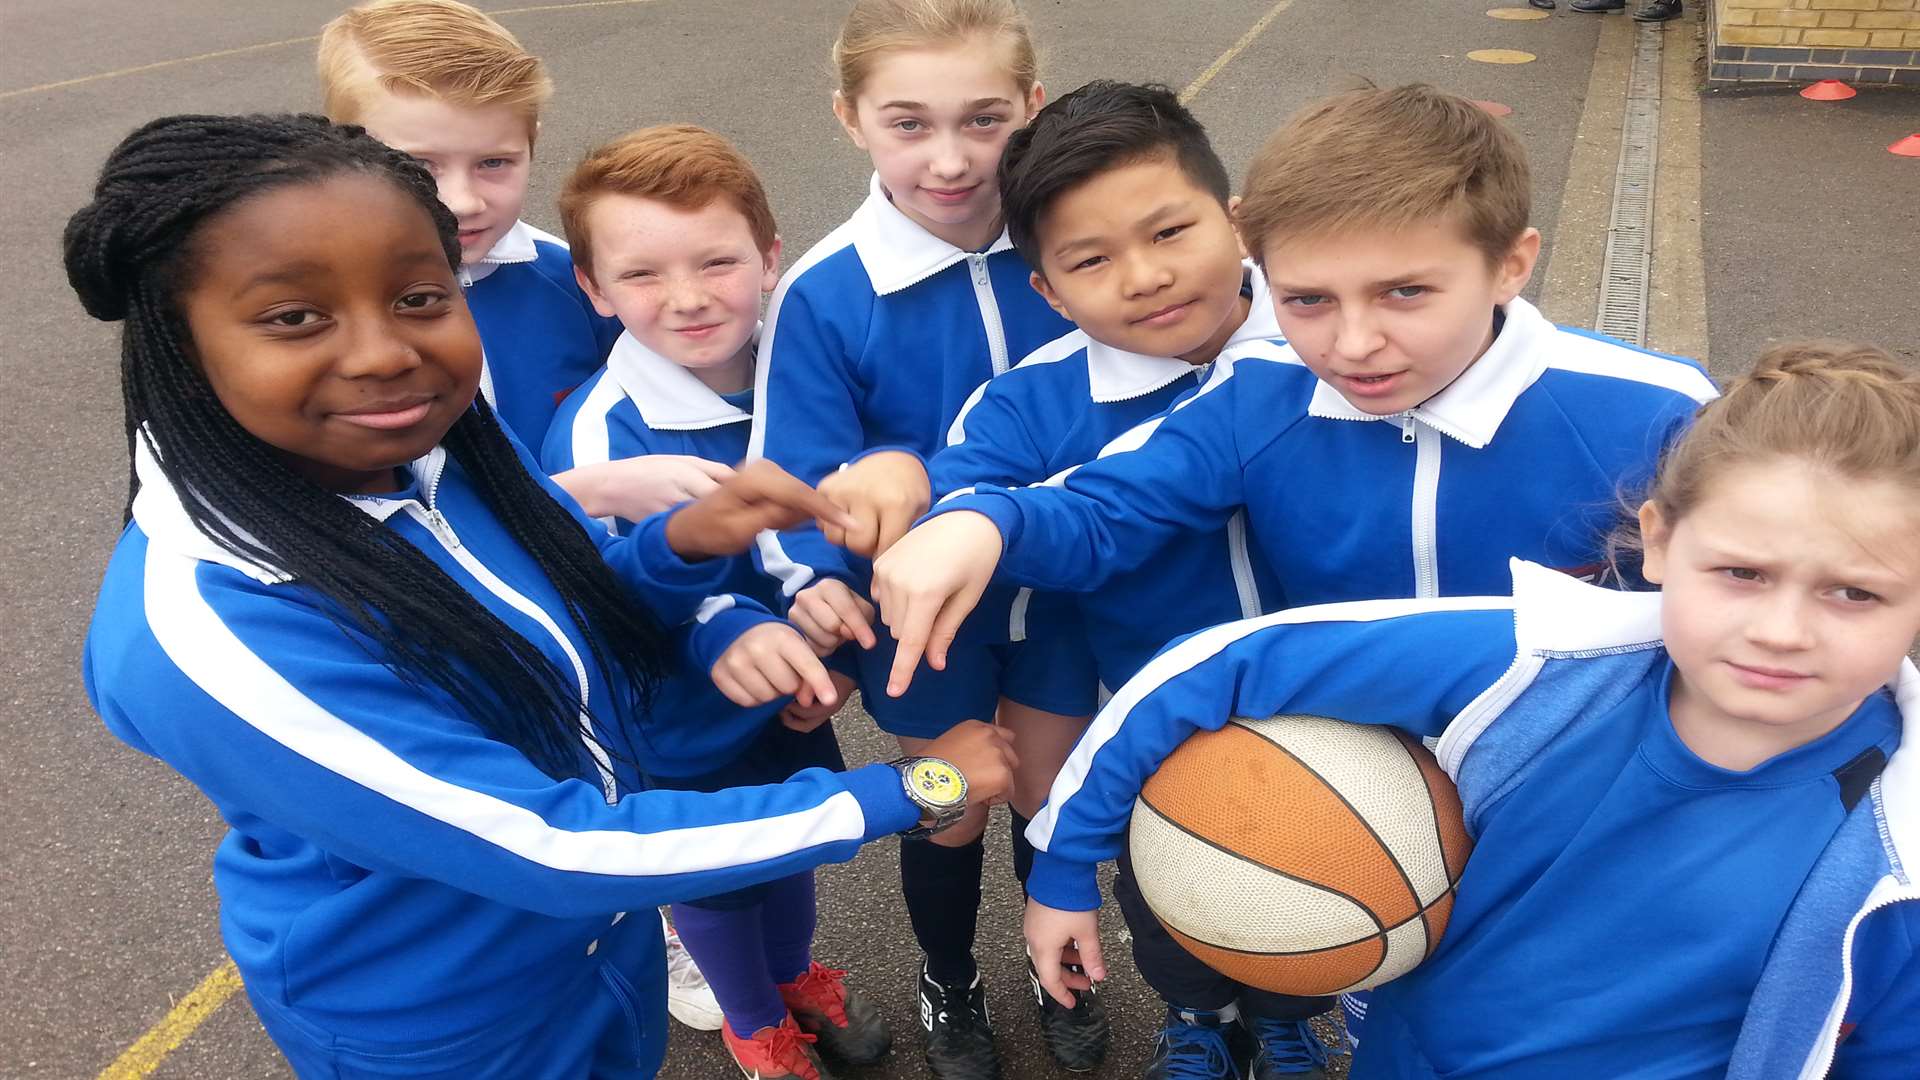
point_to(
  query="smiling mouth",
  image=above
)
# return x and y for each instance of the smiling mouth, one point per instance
(1165, 315)
(697, 331)
(1767, 678)
(951, 194)
(389, 415)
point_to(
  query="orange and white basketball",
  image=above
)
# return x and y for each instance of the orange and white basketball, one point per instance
(1301, 855)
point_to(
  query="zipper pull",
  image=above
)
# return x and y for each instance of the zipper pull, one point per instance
(438, 524)
(1406, 427)
(979, 268)
(466, 278)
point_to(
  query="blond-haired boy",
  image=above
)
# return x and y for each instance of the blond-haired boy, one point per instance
(452, 87)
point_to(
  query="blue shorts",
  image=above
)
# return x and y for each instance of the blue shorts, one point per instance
(1051, 669)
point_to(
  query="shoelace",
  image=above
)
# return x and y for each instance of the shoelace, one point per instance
(786, 1047)
(1289, 1042)
(970, 1028)
(821, 987)
(1196, 1052)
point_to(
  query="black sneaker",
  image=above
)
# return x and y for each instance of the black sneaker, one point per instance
(1193, 1046)
(1658, 11)
(1284, 1050)
(959, 1031)
(1594, 6)
(1077, 1037)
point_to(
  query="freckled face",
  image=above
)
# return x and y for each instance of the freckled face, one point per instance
(330, 326)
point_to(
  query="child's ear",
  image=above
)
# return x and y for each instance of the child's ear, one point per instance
(593, 292)
(1036, 100)
(1239, 242)
(1045, 288)
(848, 114)
(770, 271)
(1515, 268)
(1655, 532)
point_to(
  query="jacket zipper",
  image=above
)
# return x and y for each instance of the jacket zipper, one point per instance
(1242, 564)
(1837, 1012)
(989, 312)
(1425, 510)
(442, 530)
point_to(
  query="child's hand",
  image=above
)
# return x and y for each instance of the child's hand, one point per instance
(1057, 938)
(928, 583)
(984, 755)
(829, 614)
(759, 495)
(769, 662)
(638, 487)
(804, 718)
(884, 494)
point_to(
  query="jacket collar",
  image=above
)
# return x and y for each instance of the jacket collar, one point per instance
(668, 396)
(896, 251)
(1555, 614)
(1116, 375)
(160, 511)
(1472, 408)
(517, 246)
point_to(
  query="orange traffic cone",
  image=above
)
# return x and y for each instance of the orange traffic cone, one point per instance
(1828, 90)
(1907, 147)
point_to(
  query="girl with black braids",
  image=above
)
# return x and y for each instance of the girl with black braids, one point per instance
(402, 664)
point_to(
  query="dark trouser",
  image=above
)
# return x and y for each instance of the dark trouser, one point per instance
(1181, 979)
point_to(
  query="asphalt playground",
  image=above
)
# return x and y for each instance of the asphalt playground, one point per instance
(1775, 218)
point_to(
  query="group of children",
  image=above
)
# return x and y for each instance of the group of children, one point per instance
(493, 585)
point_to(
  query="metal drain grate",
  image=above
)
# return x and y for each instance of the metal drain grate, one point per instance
(1629, 261)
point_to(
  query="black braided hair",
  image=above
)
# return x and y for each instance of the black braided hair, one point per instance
(129, 256)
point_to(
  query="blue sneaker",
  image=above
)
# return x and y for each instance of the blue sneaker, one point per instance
(1193, 1046)
(1287, 1048)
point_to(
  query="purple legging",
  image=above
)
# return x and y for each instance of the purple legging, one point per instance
(746, 952)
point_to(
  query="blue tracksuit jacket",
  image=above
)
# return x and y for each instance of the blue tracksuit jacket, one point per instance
(541, 334)
(1527, 453)
(1758, 925)
(642, 403)
(402, 893)
(876, 338)
(1056, 410)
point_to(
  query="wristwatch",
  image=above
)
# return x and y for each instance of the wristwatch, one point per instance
(937, 788)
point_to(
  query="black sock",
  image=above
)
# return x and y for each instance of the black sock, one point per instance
(942, 888)
(1022, 849)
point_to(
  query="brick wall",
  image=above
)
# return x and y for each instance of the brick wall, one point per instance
(1872, 41)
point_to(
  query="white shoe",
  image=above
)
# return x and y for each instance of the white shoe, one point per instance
(689, 998)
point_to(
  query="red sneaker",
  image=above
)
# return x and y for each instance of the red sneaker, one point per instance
(846, 1023)
(775, 1052)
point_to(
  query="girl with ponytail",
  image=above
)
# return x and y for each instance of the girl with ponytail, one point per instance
(403, 665)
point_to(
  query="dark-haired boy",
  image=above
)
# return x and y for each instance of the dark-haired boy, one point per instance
(1120, 206)
(1421, 425)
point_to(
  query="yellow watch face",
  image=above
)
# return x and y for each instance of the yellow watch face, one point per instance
(937, 782)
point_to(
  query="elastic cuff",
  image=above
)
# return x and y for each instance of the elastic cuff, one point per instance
(716, 633)
(882, 799)
(1064, 884)
(667, 567)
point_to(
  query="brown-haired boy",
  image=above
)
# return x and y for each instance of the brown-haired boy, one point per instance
(445, 83)
(673, 235)
(1420, 426)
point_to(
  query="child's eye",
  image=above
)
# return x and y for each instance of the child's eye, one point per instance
(1170, 232)
(496, 163)
(1306, 300)
(1091, 260)
(1741, 573)
(984, 121)
(1854, 595)
(295, 318)
(636, 275)
(420, 301)
(722, 263)
(1408, 292)
(908, 127)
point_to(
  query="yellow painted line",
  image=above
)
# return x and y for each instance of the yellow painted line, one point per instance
(1220, 62)
(1517, 14)
(265, 45)
(144, 1056)
(1502, 56)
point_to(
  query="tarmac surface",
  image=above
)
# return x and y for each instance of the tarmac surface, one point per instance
(1800, 221)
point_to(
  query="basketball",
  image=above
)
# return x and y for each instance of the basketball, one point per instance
(1299, 854)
